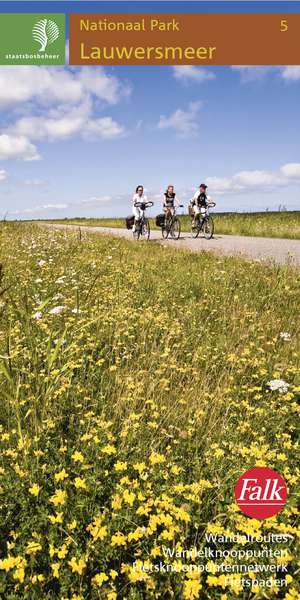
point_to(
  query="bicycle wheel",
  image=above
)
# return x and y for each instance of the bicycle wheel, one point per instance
(145, 229)
(175, 229)
(195, 229)
(137, 232)
(208, 228)
(165, 230)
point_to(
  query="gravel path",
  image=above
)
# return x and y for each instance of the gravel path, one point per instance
(281, 251)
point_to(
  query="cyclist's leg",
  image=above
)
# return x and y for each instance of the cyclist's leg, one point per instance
(167, 214)
(202, 216)
(196, 213)
(137, 214)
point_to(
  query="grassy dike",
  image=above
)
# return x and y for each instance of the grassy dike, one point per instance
(134, 393)
(266, 224)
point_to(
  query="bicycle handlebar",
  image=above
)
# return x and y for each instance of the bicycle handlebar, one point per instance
(145, 204)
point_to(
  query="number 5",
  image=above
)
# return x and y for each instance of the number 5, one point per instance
(283, 25)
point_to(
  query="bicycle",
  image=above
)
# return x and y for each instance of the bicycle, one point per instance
(203, 222)
(142, 225)
(171, 225)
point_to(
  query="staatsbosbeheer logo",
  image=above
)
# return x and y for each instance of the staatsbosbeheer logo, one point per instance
(45, 32)
(32, 39)
(261, 493)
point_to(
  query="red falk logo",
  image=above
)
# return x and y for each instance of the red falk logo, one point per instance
(261, 493)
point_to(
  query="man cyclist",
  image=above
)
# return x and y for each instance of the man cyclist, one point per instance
(199, 202)
(169, 202)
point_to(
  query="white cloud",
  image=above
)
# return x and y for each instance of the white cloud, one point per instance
(48, 85)
(35, 182)
(56, 103)
(60, 124)
(291, 73)
(251, 73)
(38, 209)
(246, 181)
(94, 201)
(291, 171)
(91, 202)
(17, 147)
(190, 73)
(64, 122)
(3, 175)
(104, 128)
(101, 85)
(183, 122)
(38, 128)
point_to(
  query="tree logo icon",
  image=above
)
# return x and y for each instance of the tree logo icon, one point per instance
(45, 32)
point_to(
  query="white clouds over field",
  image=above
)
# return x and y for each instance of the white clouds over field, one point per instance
(192, 74)
(183, 122)
(3, 175)
(58, 84)
(54, 104)
(263, 181)
(81, 139)
(65, 122)
(17, 147)
(40, 209)
(251, 73)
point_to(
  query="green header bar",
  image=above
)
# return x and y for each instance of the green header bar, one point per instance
(32, 39)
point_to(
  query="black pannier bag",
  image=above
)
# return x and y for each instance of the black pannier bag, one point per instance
(129, 222)
(160, 220)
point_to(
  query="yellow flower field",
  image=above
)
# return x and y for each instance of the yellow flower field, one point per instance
(137, 384)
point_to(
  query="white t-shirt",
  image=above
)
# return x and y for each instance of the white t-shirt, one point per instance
(137, 198)
(195, 197)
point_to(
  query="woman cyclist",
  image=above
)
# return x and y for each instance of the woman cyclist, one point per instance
(169, 202)
(138, 197)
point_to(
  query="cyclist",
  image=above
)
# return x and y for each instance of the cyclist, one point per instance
(139, 196)
(169, 202)
(199, 201)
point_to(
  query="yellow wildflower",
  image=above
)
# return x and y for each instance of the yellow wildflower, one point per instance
(116, 502)
(99, 579)
(34, 489)
(33, 547)
(80, 483)
(191, 587)
(118, 539)
(55, 569)
(113, 574)
(61, 475)
(156, 459)
(78, 457)
(77, 566)
(37, 578)
(120, 466)
(6, 564)
(62, 552)
(59, 497)
(129, 497)
(58, 518)
(140, 467)
(96, 529)
(109, 449)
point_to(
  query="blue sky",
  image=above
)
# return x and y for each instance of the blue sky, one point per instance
(77, 141)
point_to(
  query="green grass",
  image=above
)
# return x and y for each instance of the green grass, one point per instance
(266, 224)
(134, 393)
